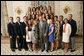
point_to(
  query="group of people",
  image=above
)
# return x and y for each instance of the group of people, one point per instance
(41, 29)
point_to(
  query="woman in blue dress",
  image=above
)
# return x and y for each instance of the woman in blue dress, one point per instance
(51, 34)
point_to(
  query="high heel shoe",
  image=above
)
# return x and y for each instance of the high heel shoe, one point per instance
(51, 50)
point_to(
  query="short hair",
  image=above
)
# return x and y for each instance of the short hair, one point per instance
(56, 16)
(18, 17)
(61, 16)
(48, 16)
(71, 15)
(65, 19)
(41, 6)
(24, 17)
(37, 8)
(11, 17)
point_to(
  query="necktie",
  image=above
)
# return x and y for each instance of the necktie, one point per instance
(19, 23)
(64, 28)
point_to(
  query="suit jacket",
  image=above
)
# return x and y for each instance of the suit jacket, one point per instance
(24, 28)
(73, 26)
(11, 29)
(61, 27)
(19, 29)
(43, 30)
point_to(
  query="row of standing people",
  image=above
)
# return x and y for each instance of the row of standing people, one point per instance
(32, 31)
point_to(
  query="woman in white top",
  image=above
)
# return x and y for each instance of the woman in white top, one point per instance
(47, 18)
(66, 33)
(29, 35)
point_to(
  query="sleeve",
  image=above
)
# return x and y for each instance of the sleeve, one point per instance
(23, 29)
(16, 29)
(69, 29)
(26, 29)
(9, 30)
(53, 26)
(75, 27)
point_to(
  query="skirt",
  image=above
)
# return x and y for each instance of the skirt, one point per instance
(30, 36)
(65, 38)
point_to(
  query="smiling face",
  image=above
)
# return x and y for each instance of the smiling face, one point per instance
(29, 22)
(49, 8)
(55, 18)
(35, 22)
(29, 9)
(43, 15)
(18, 19)
(25, 19)
(70, 16)
(50, 21)
(40, 18)
(33, 16)
(11, 19)
(61, 18)
(65, 21)
(47, 17)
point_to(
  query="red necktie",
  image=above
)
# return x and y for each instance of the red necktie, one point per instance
(64, 28)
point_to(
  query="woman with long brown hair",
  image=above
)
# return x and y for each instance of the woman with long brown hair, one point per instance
(29, 34)
(57, 31)
(34, 34)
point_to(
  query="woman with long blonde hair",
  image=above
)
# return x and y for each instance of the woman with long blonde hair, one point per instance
(34, 34)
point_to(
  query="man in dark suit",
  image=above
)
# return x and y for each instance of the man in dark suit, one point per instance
(12, 35)
(43, 32)
(73, 32)
(24, 33)
(61, 31)
(19, 33)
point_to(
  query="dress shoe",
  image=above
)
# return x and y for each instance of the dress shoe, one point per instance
(46, 50)
(51, 50)
(62, 48)
(26, 49)
(42, 50)
(72, 50)
(19, 49)
(13, 50)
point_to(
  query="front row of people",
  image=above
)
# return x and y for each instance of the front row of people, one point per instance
(46, 35)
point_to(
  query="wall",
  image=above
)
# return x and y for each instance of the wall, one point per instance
(4, 18)
(12, 7)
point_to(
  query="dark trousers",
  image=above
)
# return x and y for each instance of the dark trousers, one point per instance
(24, 43)
(61, 45)
(13, 42)
(19, 42)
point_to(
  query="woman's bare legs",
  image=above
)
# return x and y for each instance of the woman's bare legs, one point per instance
(52, 46)
(34, 47)
(57, 44)
(66, 47)
(29, 46)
